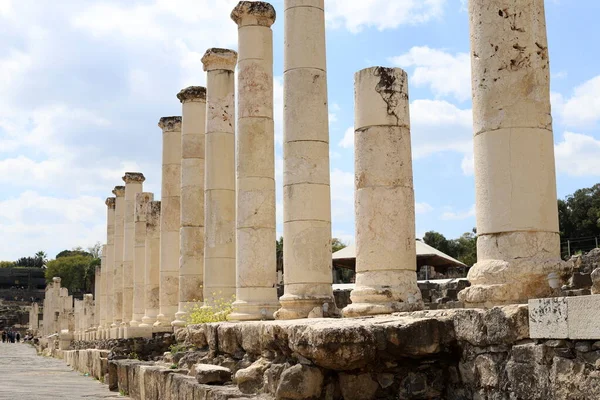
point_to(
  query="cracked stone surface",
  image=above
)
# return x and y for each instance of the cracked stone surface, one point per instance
(26, 376)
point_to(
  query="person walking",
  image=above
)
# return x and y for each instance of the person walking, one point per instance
(3, 336)
(18, 337)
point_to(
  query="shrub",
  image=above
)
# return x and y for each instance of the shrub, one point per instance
(216, 312)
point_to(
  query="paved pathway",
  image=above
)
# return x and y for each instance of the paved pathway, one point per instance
(26, 376)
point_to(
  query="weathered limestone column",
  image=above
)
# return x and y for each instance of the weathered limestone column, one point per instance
(219, 190)
(191, 259)
(386, 257)
(306, 192)
(518, 244)
(119, 192)
(256, 265)
(170, 220)
(110, 266)
(133, 185)
(142, 202)
(152, 269)
(99, 292)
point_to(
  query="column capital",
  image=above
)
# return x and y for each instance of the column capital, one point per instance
(119, 191)
(110, 202)
(192, 93)
(169, 124)
(133, 177)
(216, 58)
(254, 13)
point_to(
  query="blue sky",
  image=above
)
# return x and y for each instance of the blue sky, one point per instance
(83, 84)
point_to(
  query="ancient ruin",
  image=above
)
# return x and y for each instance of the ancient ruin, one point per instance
(211, 241)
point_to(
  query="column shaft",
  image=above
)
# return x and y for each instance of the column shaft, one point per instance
(170, 219)
(386, 259)
(256, 291)
(142, 201)
(306, 191)
(219, 190)
(110, 265)
(133, 185)
(191, 260)
(152, 269)
(118, 251)
(518, 243)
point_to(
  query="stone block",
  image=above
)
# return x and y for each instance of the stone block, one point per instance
(131, 332)
(583, 317)
(548, 318)
(212, 374)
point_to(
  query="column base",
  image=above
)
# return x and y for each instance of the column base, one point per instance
(366, 309)
(137, 332)
(162, 329)
(114, 333)
(247, 311)
(148, 320)
(181, 316)
(162, 321)
(499, 282)
(298, 307)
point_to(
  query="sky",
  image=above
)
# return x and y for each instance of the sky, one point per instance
(84, 83)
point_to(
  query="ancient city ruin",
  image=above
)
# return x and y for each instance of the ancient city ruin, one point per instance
(509, 335)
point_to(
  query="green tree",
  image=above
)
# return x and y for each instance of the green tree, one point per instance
(579, 213)
(95, 250)
(29, 262)
(7, 264)
(337, 245)
(76, 271)
(77, 251)
(439, 242)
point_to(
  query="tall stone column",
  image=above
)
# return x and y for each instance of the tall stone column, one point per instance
(219, 190)
(306, 192)
(386, 258)
(170, 220)
(110, 266)
(191, 259)
(518, 244)
(152, 270)
(256, 265)
(133, 185)
(99, 294)
(142, 202)
(119, 192)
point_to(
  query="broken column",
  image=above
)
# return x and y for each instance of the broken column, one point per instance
(219, 190)
(110, 267)
(170, 220)
(518, 244)
(152, 269)
(386, 259)
(133, 185)
(119, 192)
(142, 201)
(100, 293)
(191, 260)
(306, 192)
(256, 292)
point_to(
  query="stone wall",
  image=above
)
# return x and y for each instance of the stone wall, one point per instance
(441, 354)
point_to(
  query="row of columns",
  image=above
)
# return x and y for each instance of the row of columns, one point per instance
(216, 236)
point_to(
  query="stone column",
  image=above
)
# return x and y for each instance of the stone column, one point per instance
(518, 244)
(101, 298)
(152, 270)
(119, 192)
(306, 193)
(142, 202)
(170, 220)
(110, 267)
(219, 190)
(191, 259)
(133, 185)
(256, 265)
(386, 258)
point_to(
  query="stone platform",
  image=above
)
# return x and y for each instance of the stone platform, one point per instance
(440, 354)
(565, 318)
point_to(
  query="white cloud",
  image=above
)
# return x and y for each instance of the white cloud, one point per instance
(578, 155)
(355, 15)
(444, 73)
(468, 164)
(33, 222)
(422, 208)
(582, 109)
(348, 140)
(457, 216)
(437, 125)
(342, 196)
